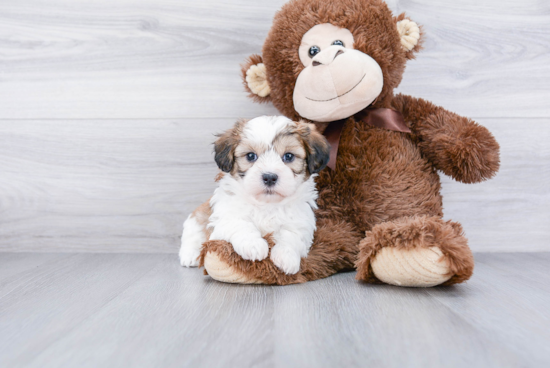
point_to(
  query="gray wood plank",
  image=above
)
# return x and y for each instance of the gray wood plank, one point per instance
(165, 59)
(128, 59)
(482, 58)
(509, 212)
(172, 317)
(13, 264)
(127, 185)
(46, 303)
(93, 184)
(376, 325)
(145, 310)
(507, 292)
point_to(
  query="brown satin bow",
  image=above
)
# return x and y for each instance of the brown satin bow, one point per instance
(380, 117)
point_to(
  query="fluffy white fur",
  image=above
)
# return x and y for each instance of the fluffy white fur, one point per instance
(244, 209)
(242, 220)
(191, 241)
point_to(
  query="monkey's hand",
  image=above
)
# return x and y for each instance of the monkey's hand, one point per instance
(458, 146)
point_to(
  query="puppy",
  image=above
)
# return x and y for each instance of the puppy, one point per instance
(266, 188)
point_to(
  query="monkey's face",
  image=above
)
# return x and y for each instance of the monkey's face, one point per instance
(337, 81)
(327, 60)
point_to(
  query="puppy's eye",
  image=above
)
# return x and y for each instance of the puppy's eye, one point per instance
(338, 43)
(288, 157)
(314, 50)
(251, 156)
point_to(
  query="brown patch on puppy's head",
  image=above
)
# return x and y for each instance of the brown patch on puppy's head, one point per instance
(310, 148)
(271, 156)
(225, 145)
(316, 145)
(289, 142)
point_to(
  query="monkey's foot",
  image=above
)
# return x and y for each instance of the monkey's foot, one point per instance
(416, 252)
(221, 271)
(222, 263)
(419, 267)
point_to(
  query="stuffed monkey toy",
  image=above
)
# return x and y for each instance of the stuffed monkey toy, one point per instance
(336, 63)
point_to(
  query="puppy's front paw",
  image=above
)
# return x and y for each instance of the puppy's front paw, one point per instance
(286, 258)
(189, 257)
(251, 248)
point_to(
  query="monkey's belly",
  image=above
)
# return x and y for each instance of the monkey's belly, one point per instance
(379, 177)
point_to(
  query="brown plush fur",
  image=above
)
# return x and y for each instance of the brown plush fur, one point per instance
(371, 23)
(385, 190)
(411, 54)
(332, 253)
(455, 145)
(252, 60)
(421, 231)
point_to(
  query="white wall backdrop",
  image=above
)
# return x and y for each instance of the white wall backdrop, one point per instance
(108, 109)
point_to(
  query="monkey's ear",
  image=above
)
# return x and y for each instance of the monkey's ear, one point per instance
(411, 35)
(255, 78)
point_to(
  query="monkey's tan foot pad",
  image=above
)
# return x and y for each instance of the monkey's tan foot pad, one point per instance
(221, 271)
(222, 263)
(416, 267)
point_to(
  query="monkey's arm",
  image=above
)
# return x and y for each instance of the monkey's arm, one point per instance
(456, 145)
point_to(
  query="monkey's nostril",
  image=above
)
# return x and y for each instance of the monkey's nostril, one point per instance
(340, 52)
(316, 63)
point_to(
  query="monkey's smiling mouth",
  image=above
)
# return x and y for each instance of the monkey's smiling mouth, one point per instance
(343, 94)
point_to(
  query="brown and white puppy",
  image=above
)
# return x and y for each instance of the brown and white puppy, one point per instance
(268, 188)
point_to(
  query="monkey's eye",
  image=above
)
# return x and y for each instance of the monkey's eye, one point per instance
(288, 157)
(338, 43)
(314, 50)
(251, 156)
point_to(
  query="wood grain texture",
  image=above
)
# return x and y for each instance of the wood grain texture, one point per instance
(510, 212)
(518, 284)
(93, 158)
(128, 59)
(107, 112)
(127, 185)
(87, 281)
(103, 185)
(170, 59)
(91, 310)
(482, 58)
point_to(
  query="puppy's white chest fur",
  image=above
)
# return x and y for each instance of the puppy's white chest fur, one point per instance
(242, 221)
(294, 213)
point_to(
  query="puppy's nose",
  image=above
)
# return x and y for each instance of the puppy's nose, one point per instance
(270, 179)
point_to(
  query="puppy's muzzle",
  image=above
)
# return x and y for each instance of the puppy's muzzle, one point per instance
(270, 179)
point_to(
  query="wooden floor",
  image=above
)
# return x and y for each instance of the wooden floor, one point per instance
(144, 310)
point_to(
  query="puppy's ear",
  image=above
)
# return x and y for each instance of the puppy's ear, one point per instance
(254, 77)
(225, 145)
(411, 35)
(317, 147)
